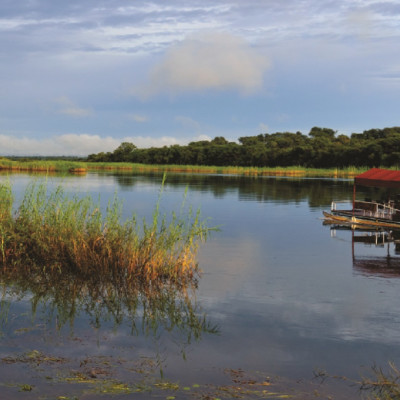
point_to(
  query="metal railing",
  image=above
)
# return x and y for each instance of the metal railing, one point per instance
(369, 208)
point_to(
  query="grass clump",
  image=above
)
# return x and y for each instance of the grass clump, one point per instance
(56, 231)
(47, 166)
(383, 385)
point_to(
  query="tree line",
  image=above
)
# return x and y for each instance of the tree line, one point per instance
(321, 148)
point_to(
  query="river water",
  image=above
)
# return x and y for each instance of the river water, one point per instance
(289, 297)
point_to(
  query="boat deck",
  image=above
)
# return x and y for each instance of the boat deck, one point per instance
(369, 210)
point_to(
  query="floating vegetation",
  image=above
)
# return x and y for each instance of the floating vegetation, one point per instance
(26, 388)
(98, 376)
(34, 357)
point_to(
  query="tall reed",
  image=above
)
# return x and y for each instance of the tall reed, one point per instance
(79, 167)
(50, 229)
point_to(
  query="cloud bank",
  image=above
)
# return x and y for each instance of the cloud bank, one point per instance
(212, 60)
(335, 63)
(79, 144)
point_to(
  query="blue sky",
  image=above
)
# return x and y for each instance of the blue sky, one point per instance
(80, 77)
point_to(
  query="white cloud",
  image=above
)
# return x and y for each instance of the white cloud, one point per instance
(207, 61)
(201, 137)
(68, 144)
(67, 107)
(360, 22)
(147, 141)
(79, 144)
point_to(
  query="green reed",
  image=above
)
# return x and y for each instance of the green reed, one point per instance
(57, 166)
(32, 165)
(348, 172)
(50, 229)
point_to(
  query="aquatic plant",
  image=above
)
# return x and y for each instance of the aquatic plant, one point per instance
(80, 167)
(107, 376)
(382, 385)
(378, 384)
(69, 258)
(296, 171)
(56, 231)
(47, 166)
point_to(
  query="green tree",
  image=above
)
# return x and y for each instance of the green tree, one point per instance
(322, 133)
(124, 152)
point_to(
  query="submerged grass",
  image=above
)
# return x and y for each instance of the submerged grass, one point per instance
(53, 230)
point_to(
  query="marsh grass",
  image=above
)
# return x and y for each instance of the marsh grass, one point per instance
(42, 166)
(82, 167)
(296, 171)
(53, 230)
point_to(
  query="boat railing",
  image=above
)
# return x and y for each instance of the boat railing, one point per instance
(369, 208)
(336, 202)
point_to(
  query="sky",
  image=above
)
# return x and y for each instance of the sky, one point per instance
(81, 76)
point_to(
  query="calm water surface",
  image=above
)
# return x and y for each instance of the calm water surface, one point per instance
(289, 295)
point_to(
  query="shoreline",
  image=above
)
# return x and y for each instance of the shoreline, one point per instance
(82, 167)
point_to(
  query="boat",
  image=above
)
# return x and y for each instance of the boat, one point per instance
(383, 214)
(352, 220)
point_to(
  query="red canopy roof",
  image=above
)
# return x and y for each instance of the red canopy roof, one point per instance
(379, 177)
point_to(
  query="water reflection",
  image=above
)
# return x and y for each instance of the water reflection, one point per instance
(373, 252)
(288, 298)
(65, 296)
(318, 192)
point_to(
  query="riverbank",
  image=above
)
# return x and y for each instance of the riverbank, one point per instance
(81, 167)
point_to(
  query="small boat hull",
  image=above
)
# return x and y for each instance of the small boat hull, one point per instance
(351, 219)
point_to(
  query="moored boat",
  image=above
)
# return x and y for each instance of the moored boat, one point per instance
(367, 222)
(379, 214)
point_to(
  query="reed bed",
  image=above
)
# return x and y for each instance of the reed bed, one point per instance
(56, 231)
(42, 166)
(82, 167)
(294, 171)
